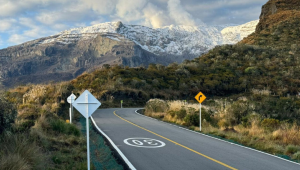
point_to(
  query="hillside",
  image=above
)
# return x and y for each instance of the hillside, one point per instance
(278, 26)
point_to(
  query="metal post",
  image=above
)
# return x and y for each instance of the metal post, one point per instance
(200, 118)
(71, 112)
(70, 115)
(87, 131)
(121, 105)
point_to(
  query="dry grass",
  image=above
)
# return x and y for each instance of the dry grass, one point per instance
(18, 152)
(275, 141)
(178, 104)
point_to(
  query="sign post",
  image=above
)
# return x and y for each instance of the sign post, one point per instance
(121, 103)
(71, 100)
(200, 97)
(87, 104)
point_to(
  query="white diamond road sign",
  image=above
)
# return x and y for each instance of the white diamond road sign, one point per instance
(86, 104)
(71, 98)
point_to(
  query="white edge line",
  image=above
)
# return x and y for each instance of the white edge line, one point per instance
(114, 145)
(219, 139)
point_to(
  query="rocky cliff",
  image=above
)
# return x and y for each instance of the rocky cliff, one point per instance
(39, 63)
(278, 25)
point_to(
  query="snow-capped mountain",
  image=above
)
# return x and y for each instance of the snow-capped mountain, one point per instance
(68, 54)
(174, 40)
(233, 34)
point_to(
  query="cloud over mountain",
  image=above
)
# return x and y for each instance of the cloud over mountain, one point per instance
(29, 19)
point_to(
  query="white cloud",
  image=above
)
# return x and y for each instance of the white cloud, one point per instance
(60, 27)
(17, 39)
(155, 17)
(8, 8)
(179, 14)
(28, 22)
(47, 18)
(130, 10)
(22, 20)
(1, 41)
(6, 24)
(98, 21)
(101, 6)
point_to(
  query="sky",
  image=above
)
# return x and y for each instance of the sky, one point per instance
(24, 20)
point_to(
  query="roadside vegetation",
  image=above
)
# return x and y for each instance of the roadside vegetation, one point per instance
(34, 133)
(269, 126)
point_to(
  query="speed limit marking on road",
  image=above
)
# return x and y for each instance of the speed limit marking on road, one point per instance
(144, 142)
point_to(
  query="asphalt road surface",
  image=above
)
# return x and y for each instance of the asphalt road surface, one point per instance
(153, 145)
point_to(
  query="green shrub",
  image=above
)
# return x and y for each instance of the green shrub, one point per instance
(171, 113)
(192, 119)
(204, 115)
(25, 126)
(64, 128)
(296, 156)
(291, 149)
(181, 114)
(270, 124)
(8, 114)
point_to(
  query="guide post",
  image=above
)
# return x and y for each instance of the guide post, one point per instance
(71, 100)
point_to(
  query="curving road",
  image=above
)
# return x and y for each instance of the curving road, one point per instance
(153, 145)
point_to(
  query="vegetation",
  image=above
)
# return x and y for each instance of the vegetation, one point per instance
(35, 134)
(240, 120)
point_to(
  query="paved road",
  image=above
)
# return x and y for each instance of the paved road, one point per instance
(176, 148)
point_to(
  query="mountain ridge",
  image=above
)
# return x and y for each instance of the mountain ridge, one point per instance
(68, 54)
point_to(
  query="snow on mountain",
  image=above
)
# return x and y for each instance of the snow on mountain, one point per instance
(174, 40)
(233, 34)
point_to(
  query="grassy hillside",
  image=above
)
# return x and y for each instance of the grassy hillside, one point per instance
(36, 136)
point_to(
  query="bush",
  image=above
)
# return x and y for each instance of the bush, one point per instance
(171, 113)
(192, 119)
(8, 114)
(204, 115)
(63, 127)
(25, 126)
(181, 114)
(223, 123)
(296, 156)
(291, 149)
(270, 124)
(156, 105)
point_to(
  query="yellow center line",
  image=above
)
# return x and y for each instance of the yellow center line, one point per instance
(221, 163)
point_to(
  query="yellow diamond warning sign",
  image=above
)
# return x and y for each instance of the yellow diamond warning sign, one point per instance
(200, 97)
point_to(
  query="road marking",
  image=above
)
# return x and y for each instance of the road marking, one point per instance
(144, 142)
(199, 133)
(212, 159)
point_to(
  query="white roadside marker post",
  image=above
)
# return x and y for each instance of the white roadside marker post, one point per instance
(87, 104)
(71, 100)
